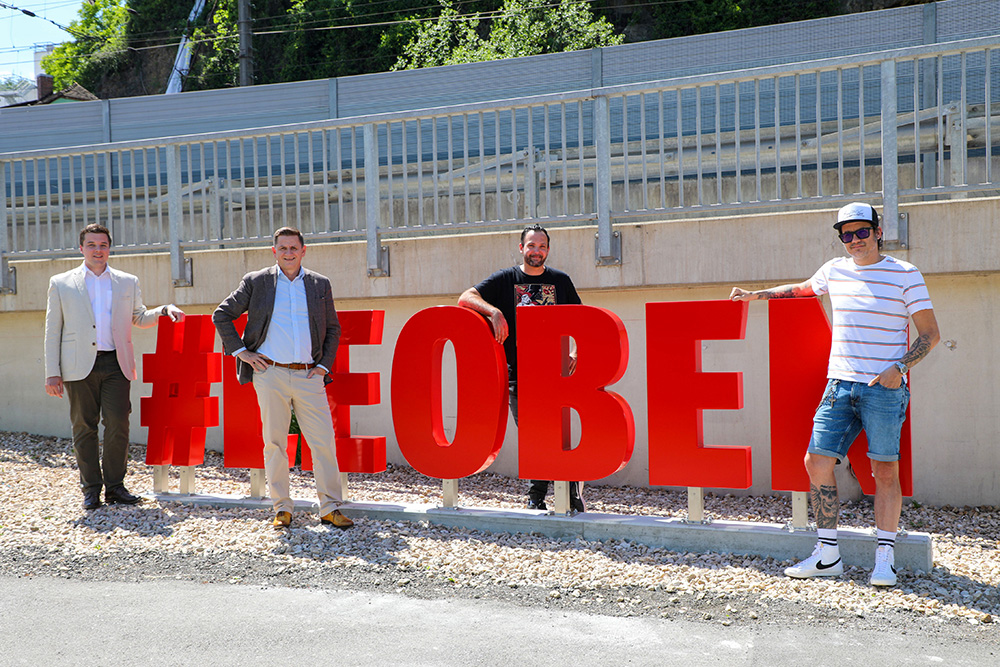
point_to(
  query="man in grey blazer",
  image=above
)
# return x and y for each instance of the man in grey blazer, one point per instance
(287, 348)
(88, 354)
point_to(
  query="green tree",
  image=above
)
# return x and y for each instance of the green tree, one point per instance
(100, 45)
(519, 28)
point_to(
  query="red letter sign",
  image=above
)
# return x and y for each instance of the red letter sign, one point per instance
(356, 453)
(677, 392)
(416, 393)
(799, 344)
(242, 441)
(545, 394)
(180, 409)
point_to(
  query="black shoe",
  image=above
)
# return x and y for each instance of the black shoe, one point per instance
(575, 500)
(536, 504)
(91, 499)
(119, 495)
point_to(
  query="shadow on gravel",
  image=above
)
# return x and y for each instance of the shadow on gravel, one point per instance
(40, 451)
(143, 520)
(371, 542)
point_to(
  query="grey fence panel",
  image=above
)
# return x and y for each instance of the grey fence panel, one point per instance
(463, 84)
(218, 110)
(964, 19)
(261, 106)
(70, 124)
(767, 45)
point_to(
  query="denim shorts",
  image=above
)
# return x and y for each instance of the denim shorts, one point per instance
(847, 407)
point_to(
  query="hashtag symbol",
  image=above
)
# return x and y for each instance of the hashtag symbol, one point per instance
(180, 410)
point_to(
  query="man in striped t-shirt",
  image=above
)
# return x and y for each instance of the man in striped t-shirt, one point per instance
(874, 296)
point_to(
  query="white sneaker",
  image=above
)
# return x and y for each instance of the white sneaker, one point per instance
(884, 573)
(815, 567)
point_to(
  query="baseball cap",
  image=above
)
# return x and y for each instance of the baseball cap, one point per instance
(856, 212)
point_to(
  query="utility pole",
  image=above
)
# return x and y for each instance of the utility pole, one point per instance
(246, 48)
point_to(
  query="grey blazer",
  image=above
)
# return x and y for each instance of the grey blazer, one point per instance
(255, 296)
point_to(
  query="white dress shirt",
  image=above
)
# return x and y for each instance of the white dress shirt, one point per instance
(288, 340)
(99, 290)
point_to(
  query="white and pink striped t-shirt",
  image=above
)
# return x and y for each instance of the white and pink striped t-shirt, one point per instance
(872, 306)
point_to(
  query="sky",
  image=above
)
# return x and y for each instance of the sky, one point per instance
(19, 33)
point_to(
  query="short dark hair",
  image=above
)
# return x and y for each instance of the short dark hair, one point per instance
(95, 229)
(534, 228)
(287, 231)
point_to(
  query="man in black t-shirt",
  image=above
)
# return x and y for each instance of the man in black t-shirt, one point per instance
(530, 284)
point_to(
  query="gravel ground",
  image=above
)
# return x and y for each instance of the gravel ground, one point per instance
(45, 532)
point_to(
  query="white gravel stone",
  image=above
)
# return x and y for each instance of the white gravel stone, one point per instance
(41, 509)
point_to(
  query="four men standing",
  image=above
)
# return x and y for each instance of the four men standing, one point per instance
(292, 333)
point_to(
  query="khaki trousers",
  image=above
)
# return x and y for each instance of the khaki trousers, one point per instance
(279, 391)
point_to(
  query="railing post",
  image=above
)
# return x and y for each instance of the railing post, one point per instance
(8, 282)
(890, 160)
(608, 249)
(378, 255)
(180, 268)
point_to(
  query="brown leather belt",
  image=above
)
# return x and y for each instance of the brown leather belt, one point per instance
(293, 367)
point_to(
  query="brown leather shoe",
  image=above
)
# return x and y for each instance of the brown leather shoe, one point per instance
(282, 520)
(336, 519)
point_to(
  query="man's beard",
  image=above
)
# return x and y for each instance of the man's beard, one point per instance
(534, 261)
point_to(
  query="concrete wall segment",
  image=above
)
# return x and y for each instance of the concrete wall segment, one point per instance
(954, 414)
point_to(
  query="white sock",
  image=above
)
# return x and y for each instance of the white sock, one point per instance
(828, 539)
(886, 538)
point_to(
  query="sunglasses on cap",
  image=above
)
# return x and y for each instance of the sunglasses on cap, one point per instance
(862, 234)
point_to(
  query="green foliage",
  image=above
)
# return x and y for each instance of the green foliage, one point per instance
(697, 17)
(216, 61)
(100, 45)
(520, 28)
(298, 40)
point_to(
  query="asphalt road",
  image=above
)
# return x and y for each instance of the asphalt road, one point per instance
(51, 621)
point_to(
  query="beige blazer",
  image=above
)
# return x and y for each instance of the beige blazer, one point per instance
(71, 330)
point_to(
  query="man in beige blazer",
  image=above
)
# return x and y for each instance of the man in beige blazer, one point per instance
(88, 353)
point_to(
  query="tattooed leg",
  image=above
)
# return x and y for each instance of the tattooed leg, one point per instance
(825, 504)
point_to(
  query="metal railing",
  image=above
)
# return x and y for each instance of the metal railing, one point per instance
(903, 125)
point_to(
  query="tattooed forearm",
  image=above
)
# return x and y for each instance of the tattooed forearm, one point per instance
(825, 504)
(783, 292)
(921, 346)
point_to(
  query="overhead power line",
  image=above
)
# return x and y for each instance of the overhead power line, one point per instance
(73, 31)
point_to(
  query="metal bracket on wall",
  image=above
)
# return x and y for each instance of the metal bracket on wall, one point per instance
(186, 279)
(8, 278)
(615, 258)
(382, 269)
(902, 242)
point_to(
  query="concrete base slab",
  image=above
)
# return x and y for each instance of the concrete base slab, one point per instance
(914, 551)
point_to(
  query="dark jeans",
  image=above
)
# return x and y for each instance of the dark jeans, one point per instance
(538, 488)
(103, 393)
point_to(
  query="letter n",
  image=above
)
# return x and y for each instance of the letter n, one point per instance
(799, 346)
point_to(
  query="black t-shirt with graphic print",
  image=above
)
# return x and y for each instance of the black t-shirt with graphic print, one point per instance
(509, 288)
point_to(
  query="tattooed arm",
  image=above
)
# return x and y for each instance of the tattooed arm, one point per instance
(789, 291)
(927, 337)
